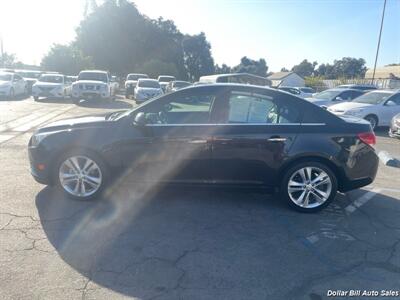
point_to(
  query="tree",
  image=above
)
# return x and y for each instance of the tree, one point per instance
(66, 59)
(284, 70)
(250, 66)
(305, 68)
(349, 67)
(197, 56)
(223, 69)
(7, 60)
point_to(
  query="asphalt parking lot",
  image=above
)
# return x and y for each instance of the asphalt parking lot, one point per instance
(151, 243)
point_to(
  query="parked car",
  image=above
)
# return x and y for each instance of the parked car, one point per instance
(244, 78)
(302, 92)
(175, 85)
(92, 85)
(164, 80)
(377, 107)
(363, 87)
(131, 81)
(30, 76)
(114, 84)
(146, 89)
(12, 84)
(51, 85)
(394, 130)
(226, 134)
(334, 96)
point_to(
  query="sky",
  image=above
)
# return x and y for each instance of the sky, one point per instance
(282, 32)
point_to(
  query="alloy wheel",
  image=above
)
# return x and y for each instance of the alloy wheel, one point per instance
(372, 121)
(80, 176)
(309, 187)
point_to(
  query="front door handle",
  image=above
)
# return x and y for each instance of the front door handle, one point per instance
(277, 139)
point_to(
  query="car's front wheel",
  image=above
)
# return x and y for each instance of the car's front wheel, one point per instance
(81, 175)
(309, 186)
(373, 120)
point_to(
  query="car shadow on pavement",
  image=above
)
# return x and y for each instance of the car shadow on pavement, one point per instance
(16, 98)
(116, 104)
(176, 243)
(382, 132)
(55, 100)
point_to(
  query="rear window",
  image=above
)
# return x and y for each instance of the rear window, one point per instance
(165, 78)
(93, 76)
(148, 84)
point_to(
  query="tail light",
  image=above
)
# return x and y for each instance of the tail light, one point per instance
(367, 137)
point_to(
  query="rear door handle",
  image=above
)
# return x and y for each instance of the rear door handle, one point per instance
(277, 139)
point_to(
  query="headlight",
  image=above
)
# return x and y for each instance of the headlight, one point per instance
(38, 138)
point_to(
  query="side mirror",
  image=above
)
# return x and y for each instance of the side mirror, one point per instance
(390, 103)
(338, 99)
(140, 119)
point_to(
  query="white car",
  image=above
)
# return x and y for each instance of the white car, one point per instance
(12, 85)
(91, 85)
(303, 92)
(50, 86)
(131, 81)
(334, 96)
(114, 83)
(378, 107)
(146, 89)
(164, 80)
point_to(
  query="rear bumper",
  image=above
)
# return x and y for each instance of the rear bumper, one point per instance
(360, 170)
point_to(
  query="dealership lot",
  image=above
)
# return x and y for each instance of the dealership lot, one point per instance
(146, 242)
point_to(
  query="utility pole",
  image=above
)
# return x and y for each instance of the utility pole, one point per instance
(379, 41)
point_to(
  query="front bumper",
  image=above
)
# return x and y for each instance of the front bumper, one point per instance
(40, 164)
(50, 94)
(92, 95)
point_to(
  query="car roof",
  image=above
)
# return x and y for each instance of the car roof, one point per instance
(6, 73)
(147, 79)
(93, 71)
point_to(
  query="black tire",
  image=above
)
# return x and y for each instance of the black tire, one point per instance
(76, 101)
(35, 98)
(373, 120)
(289, 172)
(94, 157)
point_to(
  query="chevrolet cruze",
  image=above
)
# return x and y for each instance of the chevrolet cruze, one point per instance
(221, 134)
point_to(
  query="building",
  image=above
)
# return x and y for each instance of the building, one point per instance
(286, 79)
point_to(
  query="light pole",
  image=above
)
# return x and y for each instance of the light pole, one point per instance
(379, 42)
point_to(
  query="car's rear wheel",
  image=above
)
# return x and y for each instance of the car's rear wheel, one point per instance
(81, 175)
(373, 120)
(309, 186)
(35, 98)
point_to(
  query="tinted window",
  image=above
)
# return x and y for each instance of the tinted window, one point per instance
(148, 84)
(180, 109)
(17, 77)
(256, 108)
(373, 98)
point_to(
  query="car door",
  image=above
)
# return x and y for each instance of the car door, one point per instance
(255, 130)
(180, 149)
(389, 109)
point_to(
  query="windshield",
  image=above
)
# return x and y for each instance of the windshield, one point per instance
(5, 77)
(307, 90)
(148, 84)
(180, 84)
(51, 78)
(93, 76)
(33, 75)
(373, 98)
(166, 78)
(135, 76)
(327, 95)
